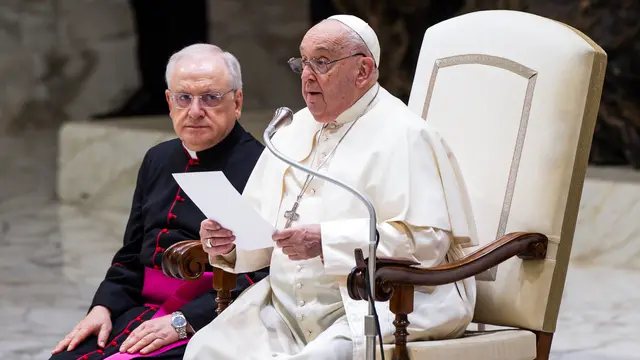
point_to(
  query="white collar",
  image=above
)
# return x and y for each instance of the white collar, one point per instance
(192, 153)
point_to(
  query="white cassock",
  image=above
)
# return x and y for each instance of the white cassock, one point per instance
(302, 310)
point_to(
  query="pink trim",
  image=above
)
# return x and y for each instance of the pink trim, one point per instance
(248, 278)
(170, 216)
(153, 257)
(173, 294)
(126, 330)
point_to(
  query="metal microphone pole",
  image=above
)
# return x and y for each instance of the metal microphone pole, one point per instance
(284, 116)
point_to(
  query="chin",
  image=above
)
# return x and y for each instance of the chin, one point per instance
(198, 140)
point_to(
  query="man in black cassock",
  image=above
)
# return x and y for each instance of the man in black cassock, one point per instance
(136, 308)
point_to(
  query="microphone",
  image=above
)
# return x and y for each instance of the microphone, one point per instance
(284, 116)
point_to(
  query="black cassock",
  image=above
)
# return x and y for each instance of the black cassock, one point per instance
(162, 215)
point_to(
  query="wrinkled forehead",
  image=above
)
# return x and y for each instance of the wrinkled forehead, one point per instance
(201, 71)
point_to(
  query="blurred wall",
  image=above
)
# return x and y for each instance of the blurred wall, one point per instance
(66, 59)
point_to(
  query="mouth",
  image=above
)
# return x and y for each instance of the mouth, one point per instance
(196, 126)
(313, 93)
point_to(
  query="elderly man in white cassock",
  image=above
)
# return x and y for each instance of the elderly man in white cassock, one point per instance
(356, 131)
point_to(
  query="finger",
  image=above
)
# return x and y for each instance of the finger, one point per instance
(222, 233)
(219, 250)
(285, 242)
(135, 336)
(222, 241)
(289, 250)
(103, 336)
(283, 234)
(142, 343)
(63, 343)
(155, 345)
(79, 337)
(209, 224)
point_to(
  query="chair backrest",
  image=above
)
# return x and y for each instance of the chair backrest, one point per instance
(516, 97)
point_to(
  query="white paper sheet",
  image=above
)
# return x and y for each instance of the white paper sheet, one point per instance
(218, 200)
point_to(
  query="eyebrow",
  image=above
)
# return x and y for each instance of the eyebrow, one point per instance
(318, 48)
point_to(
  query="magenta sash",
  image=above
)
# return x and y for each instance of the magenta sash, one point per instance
(170, 295)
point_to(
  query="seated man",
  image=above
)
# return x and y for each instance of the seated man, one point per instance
(356, 131)
(130, 312)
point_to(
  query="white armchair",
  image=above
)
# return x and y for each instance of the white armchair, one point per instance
(516, 97)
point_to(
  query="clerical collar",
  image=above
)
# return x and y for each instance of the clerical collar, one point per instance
(356, 110)
(191, 153)
(220, 148)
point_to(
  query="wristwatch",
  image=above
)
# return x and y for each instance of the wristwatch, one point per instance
(179, 323)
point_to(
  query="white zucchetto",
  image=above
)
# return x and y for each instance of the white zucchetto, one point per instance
(364, 31)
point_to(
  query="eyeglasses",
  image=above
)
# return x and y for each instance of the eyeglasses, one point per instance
(319, 66)
(184, 100)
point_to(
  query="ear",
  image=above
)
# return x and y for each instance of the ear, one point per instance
(238, 98)
(167, 95)
(366, 67)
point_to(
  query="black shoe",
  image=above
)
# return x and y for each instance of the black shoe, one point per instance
(141, 103)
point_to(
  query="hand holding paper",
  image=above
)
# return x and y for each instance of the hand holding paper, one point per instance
(218, 200)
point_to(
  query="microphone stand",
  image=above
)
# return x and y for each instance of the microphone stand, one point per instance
(283, 116)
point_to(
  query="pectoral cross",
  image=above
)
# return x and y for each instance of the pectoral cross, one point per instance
(291, 215)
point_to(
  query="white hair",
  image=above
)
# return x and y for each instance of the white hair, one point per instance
(355, 42)
(196, 50)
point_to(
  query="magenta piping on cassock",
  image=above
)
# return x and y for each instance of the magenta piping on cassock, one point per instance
(170, 295)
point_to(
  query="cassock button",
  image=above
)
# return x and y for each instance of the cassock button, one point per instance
(312, 191)
(299, 286)
(299, 267)
(301, 303)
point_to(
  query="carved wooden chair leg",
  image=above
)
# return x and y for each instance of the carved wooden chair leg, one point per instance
(401, 304)
(223, 283)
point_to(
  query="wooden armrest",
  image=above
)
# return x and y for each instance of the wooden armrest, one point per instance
(392, 271)
(187, 260)
(395, 278)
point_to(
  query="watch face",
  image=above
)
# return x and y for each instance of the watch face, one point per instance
(179, 321)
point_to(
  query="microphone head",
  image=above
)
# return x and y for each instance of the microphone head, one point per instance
(282, 117)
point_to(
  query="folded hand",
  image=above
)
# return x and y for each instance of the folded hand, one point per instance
(300, 243)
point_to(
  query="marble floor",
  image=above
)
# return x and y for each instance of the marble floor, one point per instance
(52, 256)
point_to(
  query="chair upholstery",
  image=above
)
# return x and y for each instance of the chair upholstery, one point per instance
(515, 96)
(498, 345)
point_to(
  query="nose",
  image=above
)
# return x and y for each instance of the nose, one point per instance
(307, 74)
(196, 111)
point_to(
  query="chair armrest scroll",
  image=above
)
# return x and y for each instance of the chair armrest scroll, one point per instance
(185, 260)
(394, 272)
